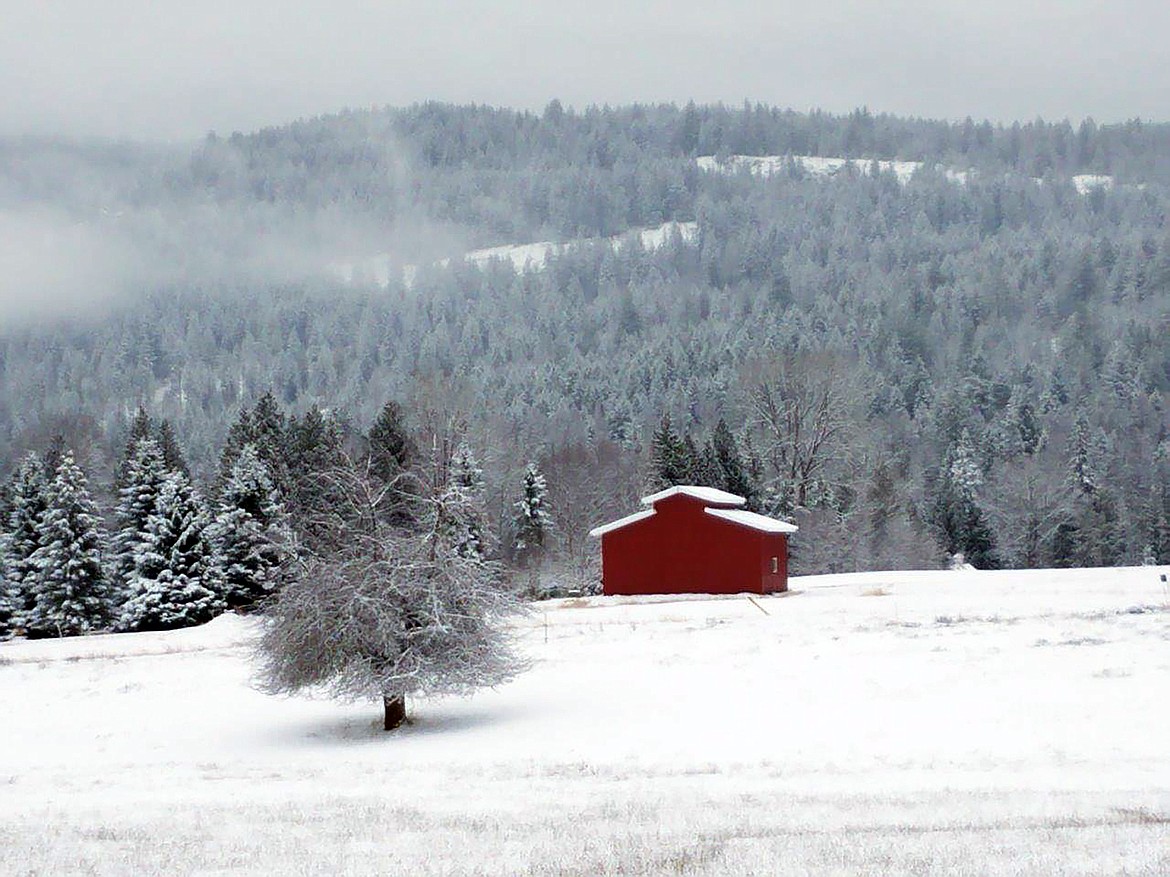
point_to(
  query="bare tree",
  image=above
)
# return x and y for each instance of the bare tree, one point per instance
(803, 408)
(388, 614)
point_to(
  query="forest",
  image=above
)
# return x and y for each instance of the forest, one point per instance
(907, 369)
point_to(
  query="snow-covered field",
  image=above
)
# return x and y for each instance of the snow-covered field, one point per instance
(886, 723)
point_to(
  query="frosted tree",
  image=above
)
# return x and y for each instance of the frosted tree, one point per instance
(143, 476)
(388, 615)
(251, 533)
(7, 593)
(464, 505)
(26, 510)
(176, 580)
(532, 526)
(669, 462)
(956, 511)
(72, 596)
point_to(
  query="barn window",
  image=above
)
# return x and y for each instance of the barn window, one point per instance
(775, 565)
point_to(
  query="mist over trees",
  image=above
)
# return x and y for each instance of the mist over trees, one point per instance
(908, 369)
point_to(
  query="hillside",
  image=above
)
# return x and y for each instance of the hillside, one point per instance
(993, 301)
(987, 723)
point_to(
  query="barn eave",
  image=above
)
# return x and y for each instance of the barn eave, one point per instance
(709, 495)
(597, 532)
(750, 519)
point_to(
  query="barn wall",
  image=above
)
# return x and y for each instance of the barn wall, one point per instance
(681, 550)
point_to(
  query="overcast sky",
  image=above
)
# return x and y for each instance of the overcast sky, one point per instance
(175, 69)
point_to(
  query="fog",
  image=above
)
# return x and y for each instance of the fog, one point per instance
(171, 70)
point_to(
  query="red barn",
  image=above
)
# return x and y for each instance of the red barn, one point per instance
(694, 540)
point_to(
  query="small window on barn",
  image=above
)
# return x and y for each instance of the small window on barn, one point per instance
(775, 565)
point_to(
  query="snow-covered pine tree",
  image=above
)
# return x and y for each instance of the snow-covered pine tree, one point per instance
(532, 524)
(141, 427)
(143, 475)
(173, 457)
(669, 464)
(956, 512)
(732, 471)
(7, 594)
(463, 504)
(26, 510)
(251, 532)
(72, 594)
(176, 580)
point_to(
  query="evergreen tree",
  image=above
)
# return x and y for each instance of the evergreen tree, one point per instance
(144, 474)
(670, 463)
(463, 504)
(26, 512)
(268, 428)
(532, 525)
(732, 472)
(176, 576)
(392, 453)
(313, 448)
(955, 511)
(73, 596)
(391, 448)
(7, 593)
(1083, 461)
(251, 533)
(172, 454)
(141, 427)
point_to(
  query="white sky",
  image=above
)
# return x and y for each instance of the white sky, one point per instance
(169, 69)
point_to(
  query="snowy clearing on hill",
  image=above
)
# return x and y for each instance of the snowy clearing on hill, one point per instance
(825, 166)
(932, 722)
(381, 269)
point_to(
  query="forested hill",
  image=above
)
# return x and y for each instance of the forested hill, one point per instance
(983, 341)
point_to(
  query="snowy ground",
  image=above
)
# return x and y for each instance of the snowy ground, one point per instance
(887, 723)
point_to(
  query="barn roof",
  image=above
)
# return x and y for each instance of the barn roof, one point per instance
(707, 494)
(621, 522)
(750, 519)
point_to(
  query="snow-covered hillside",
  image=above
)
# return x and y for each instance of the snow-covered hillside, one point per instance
(822, 166)
(382, 268)
(943, 722)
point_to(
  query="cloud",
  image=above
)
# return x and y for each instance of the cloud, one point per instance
(169, 69)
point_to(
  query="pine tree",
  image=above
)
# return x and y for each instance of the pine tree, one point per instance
(7, 593)
(955, 511)
(732, 472)
(176, 576)
(532, 525)
(313, 448)
(73, 596)
(669, 463)
(26, 512)
(463, 504)
(172, 454)
(251, 533)
(141, 427)
(144, 474)
(391, 448)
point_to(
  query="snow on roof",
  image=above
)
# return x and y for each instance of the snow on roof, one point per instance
(621, 522)
(751, 519)
(706, 494)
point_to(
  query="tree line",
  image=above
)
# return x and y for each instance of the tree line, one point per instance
(289, 491)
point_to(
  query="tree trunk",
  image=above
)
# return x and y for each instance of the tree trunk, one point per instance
(395, 708)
